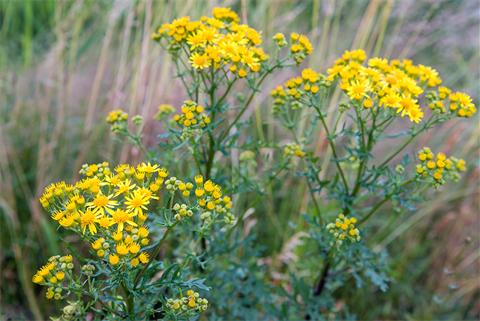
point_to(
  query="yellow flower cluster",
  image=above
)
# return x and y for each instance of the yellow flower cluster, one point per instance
(163, 111)
(192, 119)
(219, 41)
(309, 83)
(460, 104)
(344, 228)
(99, 170)
(118, 119)
(110, 204)
(53, 274)
(395, 84)
(293, 149)
(300, 46)
(188, 305)
(437, 167)
(208, 198)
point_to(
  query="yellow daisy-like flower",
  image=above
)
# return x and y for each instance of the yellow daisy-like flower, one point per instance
(209, 186)
(105, 221)
(134, 248)
(392, 100)
(37, 278)
(143, 231)
(407, 104)
(121, 249)
(143, 257)
(358, 89)
(112, 180)
(67, 221)
(89, 218)
(249, 59)
(415, 114)
(124, 187)
(122, 217)
(196, 40)
(199, 61)
(102, 203)
(114, 259)
(137, 201)
(148, 168)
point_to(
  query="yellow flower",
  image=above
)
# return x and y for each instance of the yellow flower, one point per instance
(66, 222)
(121, 249)
(358, 89)
(134, 262)
(407, 104)
(148, 168)
(114, 259)
(199, 192)
(134, 248)
(60, 275)
(105, 221)
(199, 61)
(124, 187)
(89, 218)
(415, 114)
(137, 201)
(117, 236)
(143, 257)
(101, 203)
(122, 217)
(143, 231)
(209, 186)
(391, 99)
(37, 278)
(196, 40)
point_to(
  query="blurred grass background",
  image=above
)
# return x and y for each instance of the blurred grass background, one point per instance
(65, 64)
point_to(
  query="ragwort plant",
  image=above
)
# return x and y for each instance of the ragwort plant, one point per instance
(112, 209)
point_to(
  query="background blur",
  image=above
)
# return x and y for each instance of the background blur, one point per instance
(65, 64)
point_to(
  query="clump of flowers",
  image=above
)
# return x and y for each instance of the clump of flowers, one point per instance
(109, 210)
(293, 149)
(118, 119)
(163, 111)
(215, 42)
(300, 47)
(186, 306)
(209, 202)
(99, 170)
(192, 119)
(53, 275)
(439, 168)
(222, 43)
(344, 229)
(393, 85)
(458, 104)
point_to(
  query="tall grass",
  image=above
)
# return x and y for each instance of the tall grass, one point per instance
(64, 65)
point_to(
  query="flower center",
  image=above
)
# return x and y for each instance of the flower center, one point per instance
(100, 201)
(120, 216)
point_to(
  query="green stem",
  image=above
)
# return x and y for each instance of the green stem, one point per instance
(225, 134)
(324, 273)
(128, 298)
(194, 247)
(364, 160)
(332, 146)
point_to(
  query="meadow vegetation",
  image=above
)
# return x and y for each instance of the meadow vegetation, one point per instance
(239, 160)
